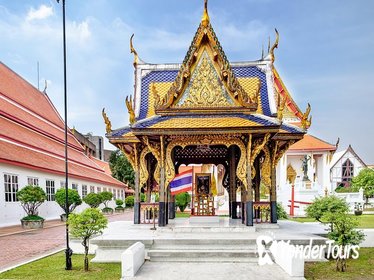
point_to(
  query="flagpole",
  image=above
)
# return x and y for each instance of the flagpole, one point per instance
(193, 191)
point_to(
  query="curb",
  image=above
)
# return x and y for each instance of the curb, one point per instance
(29, 230)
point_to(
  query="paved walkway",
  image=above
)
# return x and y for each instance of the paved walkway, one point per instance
(20, 246)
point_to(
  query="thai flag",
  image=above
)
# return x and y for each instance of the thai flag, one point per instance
(181, 183)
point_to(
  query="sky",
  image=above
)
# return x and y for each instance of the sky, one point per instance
(325, 55)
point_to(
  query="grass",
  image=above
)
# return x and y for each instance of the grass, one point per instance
(361, 268)
(365, 221)
(182, 214)
(53, 267)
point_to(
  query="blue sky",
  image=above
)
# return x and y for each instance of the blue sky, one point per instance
(325, 53)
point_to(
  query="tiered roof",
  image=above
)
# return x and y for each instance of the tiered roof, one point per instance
(207, 92)
(32, 133)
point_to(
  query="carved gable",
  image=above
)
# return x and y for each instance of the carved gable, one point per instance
(205, 88)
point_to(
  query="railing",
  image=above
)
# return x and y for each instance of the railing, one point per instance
(149, 213)
(261, 212)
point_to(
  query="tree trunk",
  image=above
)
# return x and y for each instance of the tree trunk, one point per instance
(85, 244)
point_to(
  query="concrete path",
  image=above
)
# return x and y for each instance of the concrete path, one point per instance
(18, 246)
(210, 271)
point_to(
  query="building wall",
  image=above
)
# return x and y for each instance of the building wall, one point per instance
(336, 170)
(318, 174)
(12, 212)
(98, 141)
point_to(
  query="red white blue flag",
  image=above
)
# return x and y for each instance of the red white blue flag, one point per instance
(181, 182)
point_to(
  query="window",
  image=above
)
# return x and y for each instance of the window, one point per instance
(10, 187)
(32, 181)
(62, 184)
(122, 195)
(114, 194)
(118, 194)
(50, 188)
(84, 191)
(74, 186)
(105, 189)
(92, 189)
(347, 172)
(98, 189)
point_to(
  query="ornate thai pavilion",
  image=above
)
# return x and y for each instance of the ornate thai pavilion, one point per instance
(208, 110)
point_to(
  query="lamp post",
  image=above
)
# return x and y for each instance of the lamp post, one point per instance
(68, 251)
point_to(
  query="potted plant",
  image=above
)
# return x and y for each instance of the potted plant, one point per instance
(119, 208)
(129, 201)
(358, 209)
(93, 199)
(105, 198)
(73, 201)
(31, 197)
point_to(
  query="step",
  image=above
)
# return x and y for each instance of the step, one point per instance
(195, 255)
(207, 244)
(207, 229)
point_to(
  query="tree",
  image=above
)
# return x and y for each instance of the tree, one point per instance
(343, 232)
(365, 180)
(31, 197)
(106, 197)
(327, 204)
(182, 200)
(93, 200)
(85, 225)
(121, 168)
(129, 201)
(74, 199)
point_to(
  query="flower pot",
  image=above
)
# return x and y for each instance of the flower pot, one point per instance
(63, 217)
(120, 210)
(107, 211)
(32, 224)
(358, 212)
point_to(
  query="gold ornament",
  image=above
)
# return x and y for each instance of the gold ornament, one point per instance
(130, 109)
(305, 122)
(108, 124)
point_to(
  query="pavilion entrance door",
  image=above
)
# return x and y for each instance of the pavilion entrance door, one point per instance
(203, 199)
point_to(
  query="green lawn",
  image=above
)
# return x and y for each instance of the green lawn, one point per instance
(362, 268)
(53, 267)
(365, 221)
(186, 214)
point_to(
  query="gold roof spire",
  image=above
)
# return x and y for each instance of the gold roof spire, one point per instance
(205, 19)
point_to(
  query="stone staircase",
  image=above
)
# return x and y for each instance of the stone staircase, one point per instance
(195, 249)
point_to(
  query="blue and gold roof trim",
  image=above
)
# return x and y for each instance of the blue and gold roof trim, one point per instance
(207, 93)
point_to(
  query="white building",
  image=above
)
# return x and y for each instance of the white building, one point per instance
(305, 168)
(32, 152)
(344, 166)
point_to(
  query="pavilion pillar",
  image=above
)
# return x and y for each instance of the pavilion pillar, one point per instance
(248, 207)
(232, 194)
(137, 186)
(171, 206)
(273, 197)
(161, 203)
(257, 184)
(149, 181)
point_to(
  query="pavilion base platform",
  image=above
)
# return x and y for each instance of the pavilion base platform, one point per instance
(180, 241)
(204, 220)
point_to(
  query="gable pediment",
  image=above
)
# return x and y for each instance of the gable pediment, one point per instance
(205, 80)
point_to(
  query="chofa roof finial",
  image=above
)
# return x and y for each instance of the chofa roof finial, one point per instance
(205, 19)
(132, 50)
(275, 45)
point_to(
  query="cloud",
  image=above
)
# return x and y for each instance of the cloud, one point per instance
(41, 13)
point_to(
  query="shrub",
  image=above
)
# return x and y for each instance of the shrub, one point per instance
(106, 197)
(182, 200)
(129, 201)
(86, 224)
(142, 197)
(93, 200)
(324, 205)
(31, 197)
(281, 213)
(343, 232)
(119, 203)
(73, 199)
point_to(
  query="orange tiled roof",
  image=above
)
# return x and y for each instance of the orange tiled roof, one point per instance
(312, 143)
(32, 133)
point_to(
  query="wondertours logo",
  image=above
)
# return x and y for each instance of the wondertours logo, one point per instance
(271, 250)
